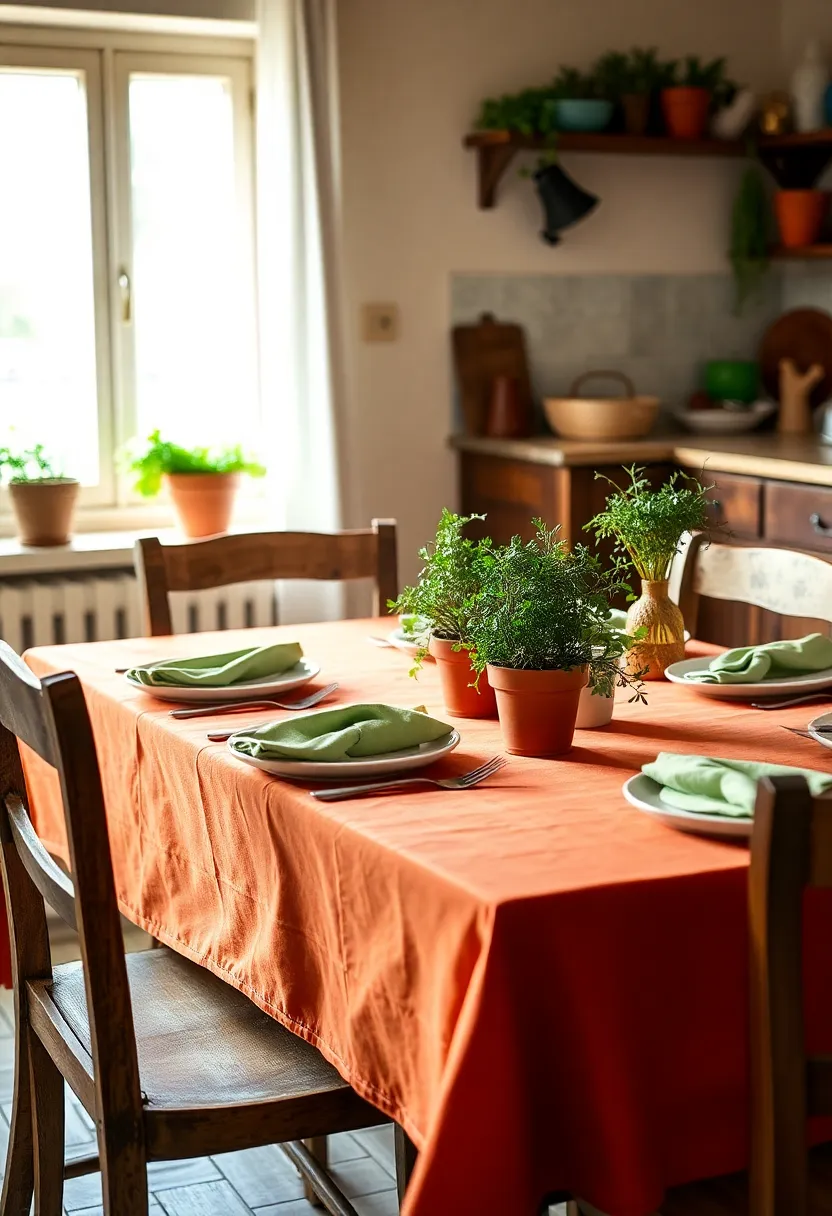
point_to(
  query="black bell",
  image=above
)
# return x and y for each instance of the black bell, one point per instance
(564, 201)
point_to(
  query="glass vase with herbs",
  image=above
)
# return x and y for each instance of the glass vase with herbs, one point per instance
(647, 527)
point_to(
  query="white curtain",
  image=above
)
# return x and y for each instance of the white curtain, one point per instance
(298, 239)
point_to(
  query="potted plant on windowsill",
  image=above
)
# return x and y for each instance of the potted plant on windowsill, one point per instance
(648, 526)
(444, 595)
(43, 501)
(540, 629)
(203, 484)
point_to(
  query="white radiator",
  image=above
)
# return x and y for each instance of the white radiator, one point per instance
(98, 606)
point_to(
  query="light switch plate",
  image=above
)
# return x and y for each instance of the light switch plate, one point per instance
(380, 322)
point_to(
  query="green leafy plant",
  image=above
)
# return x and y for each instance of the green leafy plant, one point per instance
(30, 465)
(692, 73)
(571, 84)
(448, 583)
(611, 75)
(750, 236)
(529, 112)
(156, 457)
(647, 525)
(645, 71)
(544, 606)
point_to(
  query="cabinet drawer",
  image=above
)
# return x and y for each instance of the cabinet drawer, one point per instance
(738, 503)
(799, 517)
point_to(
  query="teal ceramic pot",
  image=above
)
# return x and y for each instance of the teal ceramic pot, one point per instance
(732, 380)
(584, 114)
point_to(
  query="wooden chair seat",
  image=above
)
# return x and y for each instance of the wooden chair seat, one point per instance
(728, 1196)
(202, 1044)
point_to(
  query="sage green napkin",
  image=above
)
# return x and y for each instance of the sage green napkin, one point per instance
(344, 733)
(220, 670)
(771, 661)
(710, 785)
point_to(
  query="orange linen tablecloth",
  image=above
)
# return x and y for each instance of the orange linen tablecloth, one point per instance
(543, 985)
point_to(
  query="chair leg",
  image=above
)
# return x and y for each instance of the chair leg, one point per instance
(19, 1178)
(48, 1127)
(406, 1155)
(319, 1148)
(123, 1173)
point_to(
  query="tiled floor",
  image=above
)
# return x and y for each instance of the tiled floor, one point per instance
(261, 1181)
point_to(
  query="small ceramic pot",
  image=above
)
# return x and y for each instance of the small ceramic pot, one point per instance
(636, 107)
(507, 416)
(686, 112)
(204, 502)
(537, 709)
(664, 642)
(594, 710)
(800, 215)
(583, 114)
(732, 380)
(44, 510)
(457, 676)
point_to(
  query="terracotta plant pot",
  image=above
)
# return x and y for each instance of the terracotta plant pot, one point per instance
(457, 675)
(664, 642)
(685, 112)
(537, 709)
(44, 510)
(636, 107)
(203, 501)
(800, 215)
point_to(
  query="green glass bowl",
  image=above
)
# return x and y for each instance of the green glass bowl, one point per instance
(732, 380)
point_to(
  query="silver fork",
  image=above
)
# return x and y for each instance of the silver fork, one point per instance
(465, 781)
(204, 711)
(789, 701)
(807, 734)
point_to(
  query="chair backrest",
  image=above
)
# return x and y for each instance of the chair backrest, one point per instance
(203, 564)
(51, 719)
(791, 849)
(784, 581)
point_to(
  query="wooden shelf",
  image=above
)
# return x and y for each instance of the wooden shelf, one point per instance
(804, 252)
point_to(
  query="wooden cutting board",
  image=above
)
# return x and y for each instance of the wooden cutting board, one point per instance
(804, 336)
(483, 351)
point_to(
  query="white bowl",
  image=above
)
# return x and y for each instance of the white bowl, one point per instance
(725, 422)
(594, 711)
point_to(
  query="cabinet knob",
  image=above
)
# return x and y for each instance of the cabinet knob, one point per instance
(819, 526)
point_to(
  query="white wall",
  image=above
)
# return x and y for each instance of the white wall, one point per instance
(412, 74)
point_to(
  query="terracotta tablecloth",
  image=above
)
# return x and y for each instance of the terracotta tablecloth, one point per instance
(543, 985)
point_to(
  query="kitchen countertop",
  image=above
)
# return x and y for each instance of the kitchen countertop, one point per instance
(800, 458)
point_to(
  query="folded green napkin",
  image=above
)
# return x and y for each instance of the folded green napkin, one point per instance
(220, 670)
(773, 660)
(344, 733)
(711, 785)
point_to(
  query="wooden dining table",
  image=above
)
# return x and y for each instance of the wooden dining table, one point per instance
(542, 984)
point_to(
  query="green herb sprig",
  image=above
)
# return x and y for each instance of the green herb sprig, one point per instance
(156, 457)
(30, 465)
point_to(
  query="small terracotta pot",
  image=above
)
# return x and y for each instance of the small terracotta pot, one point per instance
(636, 107)
(664, 642)
(537, 709)
(44, 510)
(686, 112)
(456, 675)
(203, 502)
(800, 215)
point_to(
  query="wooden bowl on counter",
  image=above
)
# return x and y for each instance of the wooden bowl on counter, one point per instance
(601, 419)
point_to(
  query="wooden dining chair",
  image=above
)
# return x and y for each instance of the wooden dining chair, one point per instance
(783, 581)
(187, 1068)
(791, 850)
(222, 560)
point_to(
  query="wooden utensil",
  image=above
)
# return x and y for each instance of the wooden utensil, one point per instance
(507, 417)
(803, 335)
(482, 352)
(795, 417)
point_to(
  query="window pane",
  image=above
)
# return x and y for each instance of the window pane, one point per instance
(193, 307)
(47, 322)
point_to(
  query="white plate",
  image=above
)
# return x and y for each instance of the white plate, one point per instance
(376, 766)
(642, 791)
(725, 422)
(744, 692)
(821, 720)
(301, 673)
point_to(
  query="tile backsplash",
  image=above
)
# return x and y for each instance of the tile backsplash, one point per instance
(658, 329)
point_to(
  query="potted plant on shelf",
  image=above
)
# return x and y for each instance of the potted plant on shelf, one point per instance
(203, 483)
(688, 97)
(43, 501)
(444, 595)
(800, 215)
(579, 101)
(540, 631)
(647, 526)
(643, 75)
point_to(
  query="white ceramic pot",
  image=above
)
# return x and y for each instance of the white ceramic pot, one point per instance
(808, 85)
(594, 711)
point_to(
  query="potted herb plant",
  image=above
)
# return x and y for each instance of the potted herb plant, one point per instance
(642, 76)
(540, 629)
(579, 101)
(687, 100)
(647, 526)
(444, 595)
(43, 501)
(203, 483)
